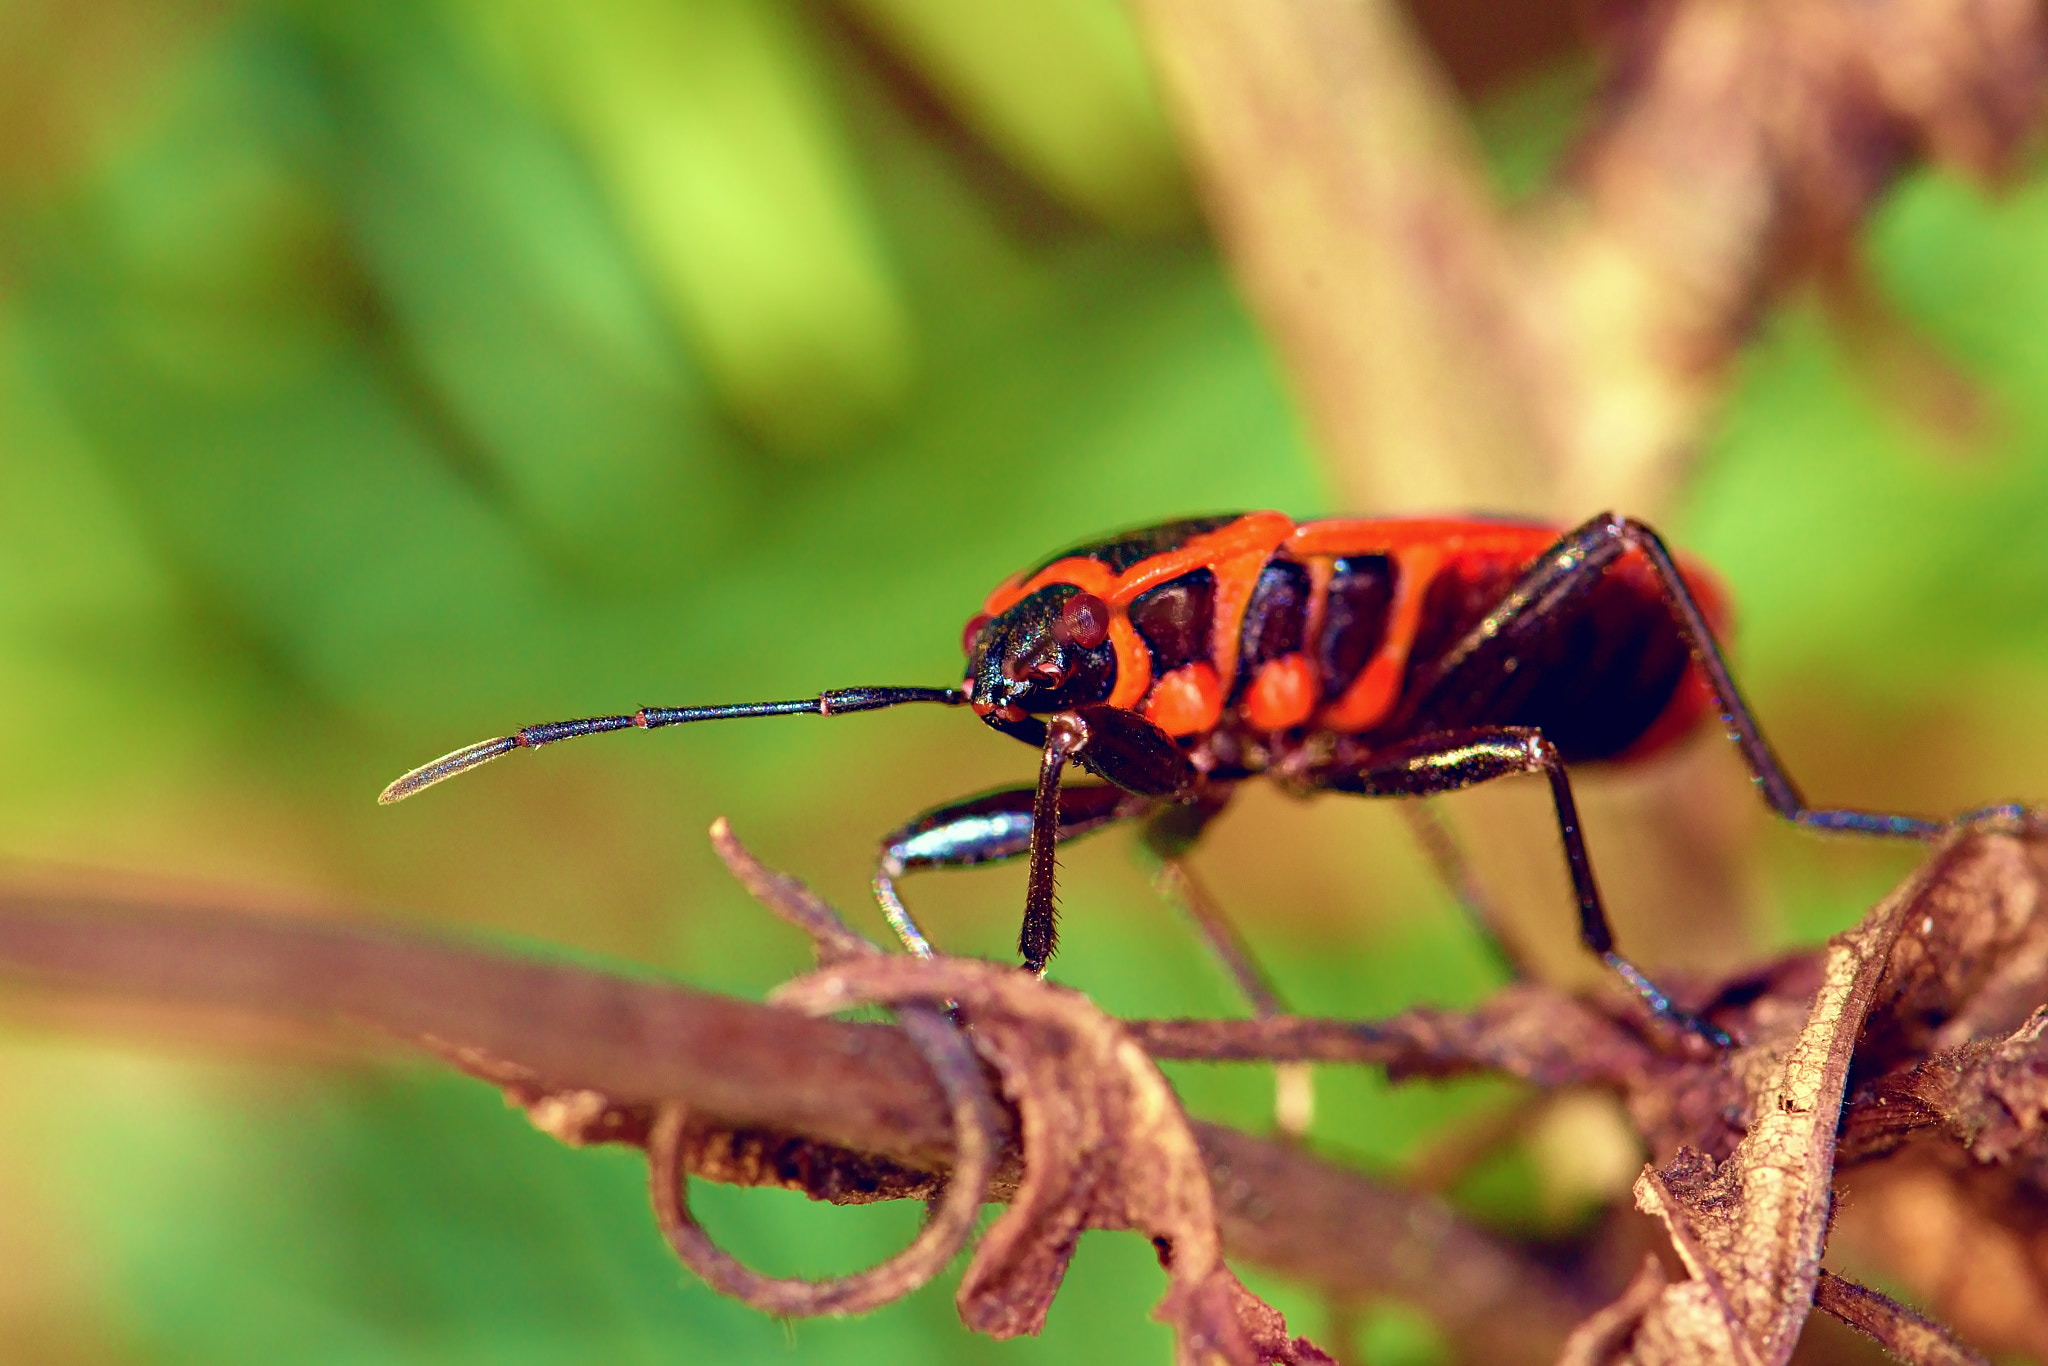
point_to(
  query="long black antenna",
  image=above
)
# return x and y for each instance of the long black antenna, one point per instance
(833, 703)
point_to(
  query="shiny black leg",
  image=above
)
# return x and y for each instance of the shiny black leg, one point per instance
(1039, 935)
(1449, 760)
(991, 828)
(1118, 745)
(1570, 568)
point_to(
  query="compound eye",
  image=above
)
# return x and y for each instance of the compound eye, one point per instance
(973, 633)
(1084, 621)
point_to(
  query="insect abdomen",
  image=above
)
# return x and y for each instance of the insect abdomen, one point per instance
(1605, 671)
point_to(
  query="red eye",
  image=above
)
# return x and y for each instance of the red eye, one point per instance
(1084, 621)
(968, 636)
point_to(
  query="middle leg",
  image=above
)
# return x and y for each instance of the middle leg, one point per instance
(1445, 761)
(1170, 833)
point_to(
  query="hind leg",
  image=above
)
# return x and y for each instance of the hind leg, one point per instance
(1169, 834)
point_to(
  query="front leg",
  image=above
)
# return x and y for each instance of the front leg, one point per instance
(1119, 745)
(991, 828)
(1448, 760)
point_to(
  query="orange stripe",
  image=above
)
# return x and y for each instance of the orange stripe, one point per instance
(1321, 570)
(1255, 534)
(1235, 580)
(1090, 576)
(1133, 663)
(1378, 686)
(1394, 536)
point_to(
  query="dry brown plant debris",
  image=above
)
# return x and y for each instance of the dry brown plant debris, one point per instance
(1912, 1049)
(1564, 355)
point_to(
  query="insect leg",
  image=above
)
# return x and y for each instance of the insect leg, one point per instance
(991, 828)
(1777, 785)
(1115, 744)
(1170, 833)
(1448, 760)
(1065, 736)
(1569, 568)
(1454, 869)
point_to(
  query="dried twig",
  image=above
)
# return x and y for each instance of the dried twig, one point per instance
(1900, 1331)
(845, 1112)
(953, 1217)
(1095, 1138)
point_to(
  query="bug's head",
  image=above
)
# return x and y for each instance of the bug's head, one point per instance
(1048, 652)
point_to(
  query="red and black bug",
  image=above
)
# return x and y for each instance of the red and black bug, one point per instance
(1383, 658)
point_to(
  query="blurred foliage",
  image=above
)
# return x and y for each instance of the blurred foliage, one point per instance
(374, 377)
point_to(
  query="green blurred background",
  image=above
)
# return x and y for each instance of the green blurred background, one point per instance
(375, 377)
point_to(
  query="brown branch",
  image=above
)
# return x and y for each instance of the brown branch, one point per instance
(1350, 196)
(1530, 1033)
(566, 1028)
(843, 1111)
(852, 1113)
(1905, 1334)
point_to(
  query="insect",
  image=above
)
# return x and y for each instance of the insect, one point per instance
(1399, 657)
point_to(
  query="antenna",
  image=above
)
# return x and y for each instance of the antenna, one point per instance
(833, 703)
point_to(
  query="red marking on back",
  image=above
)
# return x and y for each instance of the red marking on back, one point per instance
(1282, 694)
(1452, 536)
(1373, 694)
(1133, 663)
(1187, 701)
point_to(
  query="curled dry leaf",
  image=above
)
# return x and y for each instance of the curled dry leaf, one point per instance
(1954, 1066)
(1750, 1230)
(676, 1147)
(2001, 1104)
(1954, 946)
(977, 1131)
(1972, 960)
(1991, 1097)
(954, 1211)
(1105, 1145)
